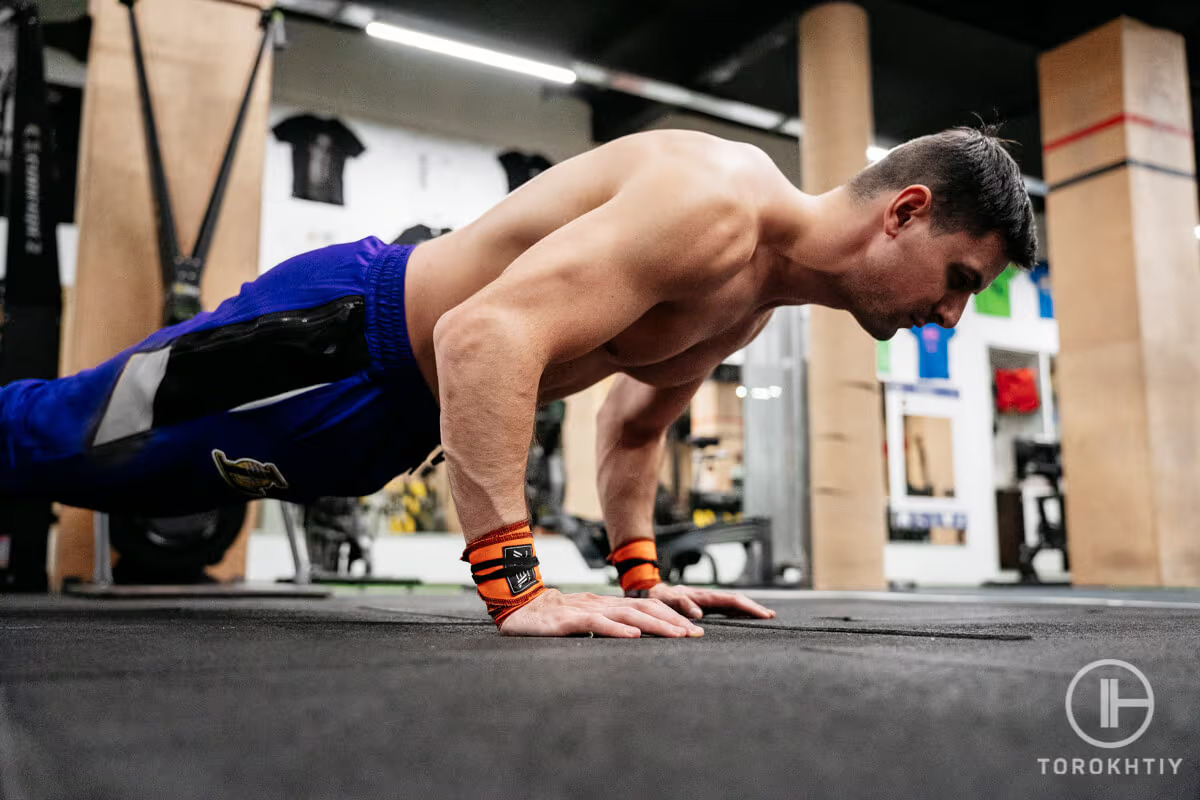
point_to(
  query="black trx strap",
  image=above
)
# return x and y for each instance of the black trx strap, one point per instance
(511, 566)
(29, 333)
(185, 556)
(33, 292)
(181, 273)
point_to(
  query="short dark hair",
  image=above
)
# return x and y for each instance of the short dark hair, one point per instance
(976, 183)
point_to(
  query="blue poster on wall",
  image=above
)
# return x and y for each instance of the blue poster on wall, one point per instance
(1041, 279)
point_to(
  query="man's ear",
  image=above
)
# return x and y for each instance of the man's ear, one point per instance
(911, 203)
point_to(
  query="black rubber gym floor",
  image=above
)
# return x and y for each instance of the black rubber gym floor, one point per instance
(371, 696)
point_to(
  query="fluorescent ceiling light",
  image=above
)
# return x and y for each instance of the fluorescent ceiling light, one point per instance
(1035, 186)
(876, 153)
(593, 75)
(1196, 231)
(680, 97)
(793, 127)
(480, 55)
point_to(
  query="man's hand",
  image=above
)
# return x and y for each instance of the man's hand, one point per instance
(556, 614)
(693, 602)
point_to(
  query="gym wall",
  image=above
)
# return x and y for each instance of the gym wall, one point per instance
(349, 74)
(400, 179)
(980, 454)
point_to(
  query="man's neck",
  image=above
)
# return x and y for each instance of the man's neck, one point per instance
(816, 239)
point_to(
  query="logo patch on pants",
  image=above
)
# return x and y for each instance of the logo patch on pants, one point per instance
(520, 581)
(249, 476)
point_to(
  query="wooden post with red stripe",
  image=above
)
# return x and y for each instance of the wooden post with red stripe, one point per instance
(1121, 211)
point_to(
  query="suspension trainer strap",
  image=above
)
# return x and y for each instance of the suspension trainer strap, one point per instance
(32, 303)
(181, 273)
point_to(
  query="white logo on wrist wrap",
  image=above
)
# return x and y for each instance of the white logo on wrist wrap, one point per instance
(520, 581)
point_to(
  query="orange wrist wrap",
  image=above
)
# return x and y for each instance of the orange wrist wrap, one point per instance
(637, 564)
(505, 569)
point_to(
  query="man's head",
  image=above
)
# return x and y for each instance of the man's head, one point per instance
(952, 213)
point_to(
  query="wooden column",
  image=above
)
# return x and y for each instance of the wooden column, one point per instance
(199, 54)
(1120, 214)
(846, 425)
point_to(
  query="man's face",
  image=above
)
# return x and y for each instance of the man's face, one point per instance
(911, 276)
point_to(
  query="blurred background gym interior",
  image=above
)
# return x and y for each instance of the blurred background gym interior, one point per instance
(984, 555)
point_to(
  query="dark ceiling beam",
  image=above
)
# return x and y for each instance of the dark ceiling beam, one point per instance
(697, 45)
(1058, 23)
(615, 115)
(721, 72)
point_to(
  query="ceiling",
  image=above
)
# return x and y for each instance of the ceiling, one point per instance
(935, 63)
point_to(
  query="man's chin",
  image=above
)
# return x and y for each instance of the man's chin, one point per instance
(880, 330)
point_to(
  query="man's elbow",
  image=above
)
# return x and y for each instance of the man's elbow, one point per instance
(486, 339)
(630, 432)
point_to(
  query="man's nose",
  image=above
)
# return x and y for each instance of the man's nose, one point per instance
(950, 311)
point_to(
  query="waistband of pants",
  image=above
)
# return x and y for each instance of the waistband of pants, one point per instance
(387, 327)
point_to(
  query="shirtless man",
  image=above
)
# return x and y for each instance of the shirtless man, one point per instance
(651, 258)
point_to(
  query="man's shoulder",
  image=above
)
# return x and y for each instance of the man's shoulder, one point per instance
(706, 153)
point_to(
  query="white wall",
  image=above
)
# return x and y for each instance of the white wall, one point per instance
(348, 73)
(401, 179)
(972, 415)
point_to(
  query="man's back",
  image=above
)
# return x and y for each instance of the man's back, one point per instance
(449, 270)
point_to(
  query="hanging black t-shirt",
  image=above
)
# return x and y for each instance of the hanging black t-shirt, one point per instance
(522, 167)
(320, 148)
(419, 233)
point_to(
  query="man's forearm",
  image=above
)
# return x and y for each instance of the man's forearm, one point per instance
(632, 426)
(627, 479)
(488, 392)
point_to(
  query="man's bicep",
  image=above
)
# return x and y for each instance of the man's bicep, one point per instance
(572, 291)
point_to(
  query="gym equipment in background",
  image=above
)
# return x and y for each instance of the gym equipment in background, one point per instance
(338, 532)
(32, 302)
(173, 550)
(680, 540)
(545, 483)
(102, 586)
(336, 535)
(705, 506)
(1042, 460)
(682, 544)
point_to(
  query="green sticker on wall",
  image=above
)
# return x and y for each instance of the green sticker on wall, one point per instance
(995, 300)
